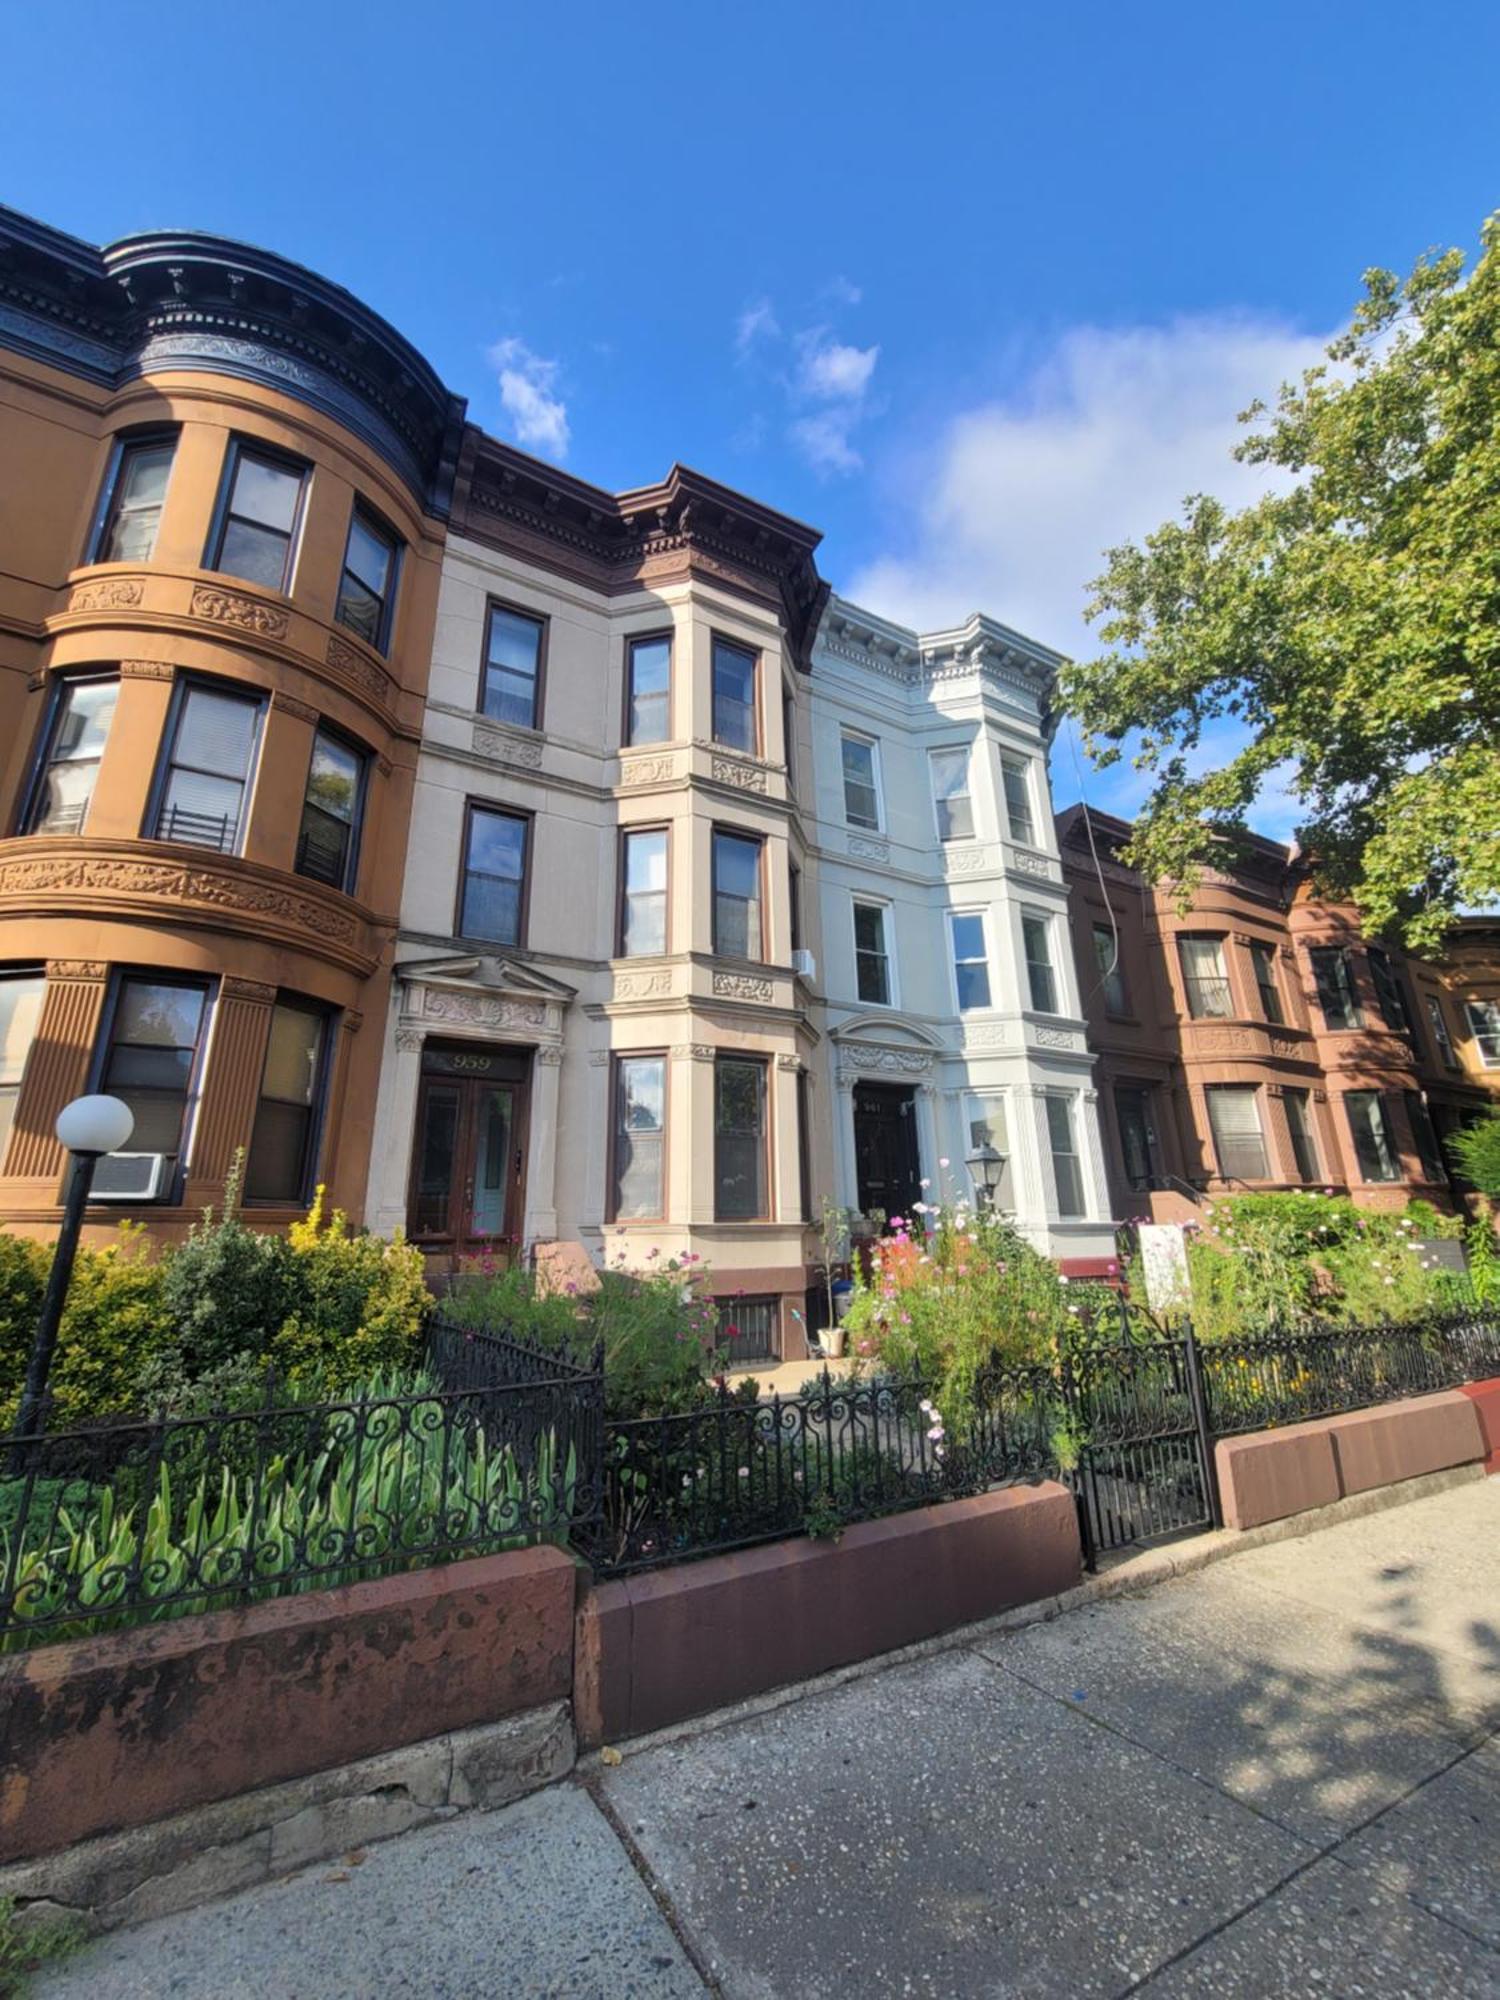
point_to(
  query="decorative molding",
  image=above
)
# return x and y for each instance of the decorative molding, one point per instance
(647, 770)
(742, 986)
(694, 1052)
(550, 1055)
(409, 1041)
(147, 670)
(1054, 1038)
(1027, 863)
(506, 747)
(112, 593)
(884, 1062)
(300, 709)
(743, 777)
(789, 1062)
(641, 985)
(362, 673)
(1221, 1041)
(868, 849)
(993, 1035)
(77, 968)
(481, 1010)
(384, 766)
(965, 861)
(247, 989)
(599, 1058)
(227, 607)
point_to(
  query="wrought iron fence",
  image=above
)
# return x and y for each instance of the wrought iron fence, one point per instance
(160, 1517)
(734, 1471)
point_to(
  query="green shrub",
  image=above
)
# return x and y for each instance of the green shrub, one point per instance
(23, 1279)
(115, 1321)
(228, 1289)
(512, 1302)
(1477, 1153)
(357, 1304)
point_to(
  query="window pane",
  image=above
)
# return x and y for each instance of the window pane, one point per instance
(497, 844)
(733, 696)
(292, 1054)
(872, 969)
(149, 1063)
(646, 860)
(265, 493)
(973, 981)
(861, 802)
(1442, 1039)
(162, 1016)
(203, 810)
(515, 641)
(1484, 1026)
(739, 1140)
(1017, 799)
(369, 556)
(359, 609)
(1299, 1126)
(494, 868)
(256, 554)
(650, 684)
(1234, 1115)
(333, 779)
(1371, 1135)
(1203, 977)
(645, 910)
(276, 1167)
(640, 1125)
(216, 732)
(1429, 1152)
(83, 721)
(1336, 992)
(950, 786)
(136, 510)
(1039, 965)
(20, 1010)
(968, 936)
(1065, 1165)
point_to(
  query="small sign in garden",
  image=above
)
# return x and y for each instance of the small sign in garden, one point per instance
(1164, 1264)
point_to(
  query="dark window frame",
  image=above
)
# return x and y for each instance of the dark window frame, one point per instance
(317, 1110)
(523, 916)
(1393, 1151)
(617, 1058)
(804, 1143)
(543, 624)
(1111, 984)
(1218, 1093)
(210, 985)
(350, 882)
(622, 888)
(757, 726)
(722, 1058)
(1441, 1032)
(378, 525)
(1263, 972)
(758, 841)
(106, 507)
(1033, 920)
(1351, 1006)
(1390, 991)
(1308, 1170)
(182, 686)
(40, 761)
(240, 446)
(629, 740)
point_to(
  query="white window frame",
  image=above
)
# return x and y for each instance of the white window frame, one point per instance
(858, 900)
(953, 960)
(1483, 1019)
(1068, 1099)
(973, 1111)
(966, 751)
(1044, 918)
(872, 744)
(1008, 759)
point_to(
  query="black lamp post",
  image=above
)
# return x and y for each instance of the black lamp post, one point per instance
(89, 1127)
(986, 1166)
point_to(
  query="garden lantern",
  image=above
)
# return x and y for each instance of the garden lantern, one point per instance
(985, 1166)
(89, 1127)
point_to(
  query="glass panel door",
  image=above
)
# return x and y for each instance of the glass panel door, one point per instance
(494, 1123)
(436, 1160)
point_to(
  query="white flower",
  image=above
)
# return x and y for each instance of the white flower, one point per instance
(926, 1408)
(924, 1183)
(942, 1163)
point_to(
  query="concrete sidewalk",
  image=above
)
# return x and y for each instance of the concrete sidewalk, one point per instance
(1277, 1776)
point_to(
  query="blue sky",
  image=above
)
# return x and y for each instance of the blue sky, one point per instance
(976, 289)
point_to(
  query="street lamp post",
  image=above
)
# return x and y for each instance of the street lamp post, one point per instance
(986, 1166)
(89, 1127)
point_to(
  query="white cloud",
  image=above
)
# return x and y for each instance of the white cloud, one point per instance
(823, 441)
(538, 416)
(841, 292)
(756, 322)
(832, 371)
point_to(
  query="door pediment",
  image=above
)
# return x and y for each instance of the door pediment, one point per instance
(498, 998)
(890, 1046)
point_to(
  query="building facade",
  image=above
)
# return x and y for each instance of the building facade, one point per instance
(1259, 1040)
(222, 511)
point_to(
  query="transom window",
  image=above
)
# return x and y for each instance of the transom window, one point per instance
(735, 673)
(81, 716)
(256, 532)
(971, 966)
(1333, 976)
(1204, 980)
(643, 899)
(21, 996)
(492, 900)
(1111, 972)
(137, 493)
(739, 1139)
(327, 844)
(1370, 1128)
(861, 793)
(151, 1058)
(1040, 977)
(1263, 964)
(648, 693)
(1239, 1138)
(513, 645)
(207, 776)
(280, 1163)
(1067, 1168)
(1015, 776)
(368, 583)
(638, 1160)
(872, 966)
(950, 791)
(737, 923)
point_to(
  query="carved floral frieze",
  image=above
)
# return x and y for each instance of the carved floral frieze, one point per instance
(110, 593)
(642, 985)
(505, 748)
(481, 1010)
(647, 770)
(366, 675)
(228, 607)
(743, 777)
(742, 986)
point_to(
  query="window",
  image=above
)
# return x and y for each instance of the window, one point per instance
(1441, 1037)
(1239, 1140)
(1429, 1152)
(648, 690)
(1370, 1129)
(804, 1146)
(789, 736)
(739, 1139)
(82, 713)
(950, 791)
(1013, 775)
(1484, 1025)
(20, 1010)
(750, 1329)
(984, 1119)
(132, 513)
(151, 1057)
(207, 776)
(1334, 981)
(1067, 1169)
(1204, 981)
(643, 892)
(256, 531)
(737, 929)
(367, 586)
(1111, 972)
(512, 677)
(872, 966)
(1263, 964)
(794, 903)
(1390, 996)
(971, 965)
(638, 1157)
(734, 718)
(280, 1162)
(493, 898)
(1135, 1116)
(861, 794)
(1299, 1130)
(328, 843)
(1040, 978)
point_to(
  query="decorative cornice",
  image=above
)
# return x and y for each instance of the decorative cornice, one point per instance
(228, 607)
(147, 670)
(110, 593)
(741, 986)
(90, 970)
(658, 770)
(409, 1041)
(744, 777)
(288, 705)
(247, 989)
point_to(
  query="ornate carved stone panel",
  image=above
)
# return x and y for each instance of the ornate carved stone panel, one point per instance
(742, 986)
(111, 593)
(744, 777)
(507, 747)
(227, 607)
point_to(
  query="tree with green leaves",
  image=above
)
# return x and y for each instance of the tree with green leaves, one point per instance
(1348, 620)
(1477, 1151)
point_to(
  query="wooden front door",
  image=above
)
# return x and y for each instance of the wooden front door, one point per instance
(887, 1164)
(468, 1171)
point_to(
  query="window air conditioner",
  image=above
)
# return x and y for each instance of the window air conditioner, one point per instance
(804, 964)
(130, 1176)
